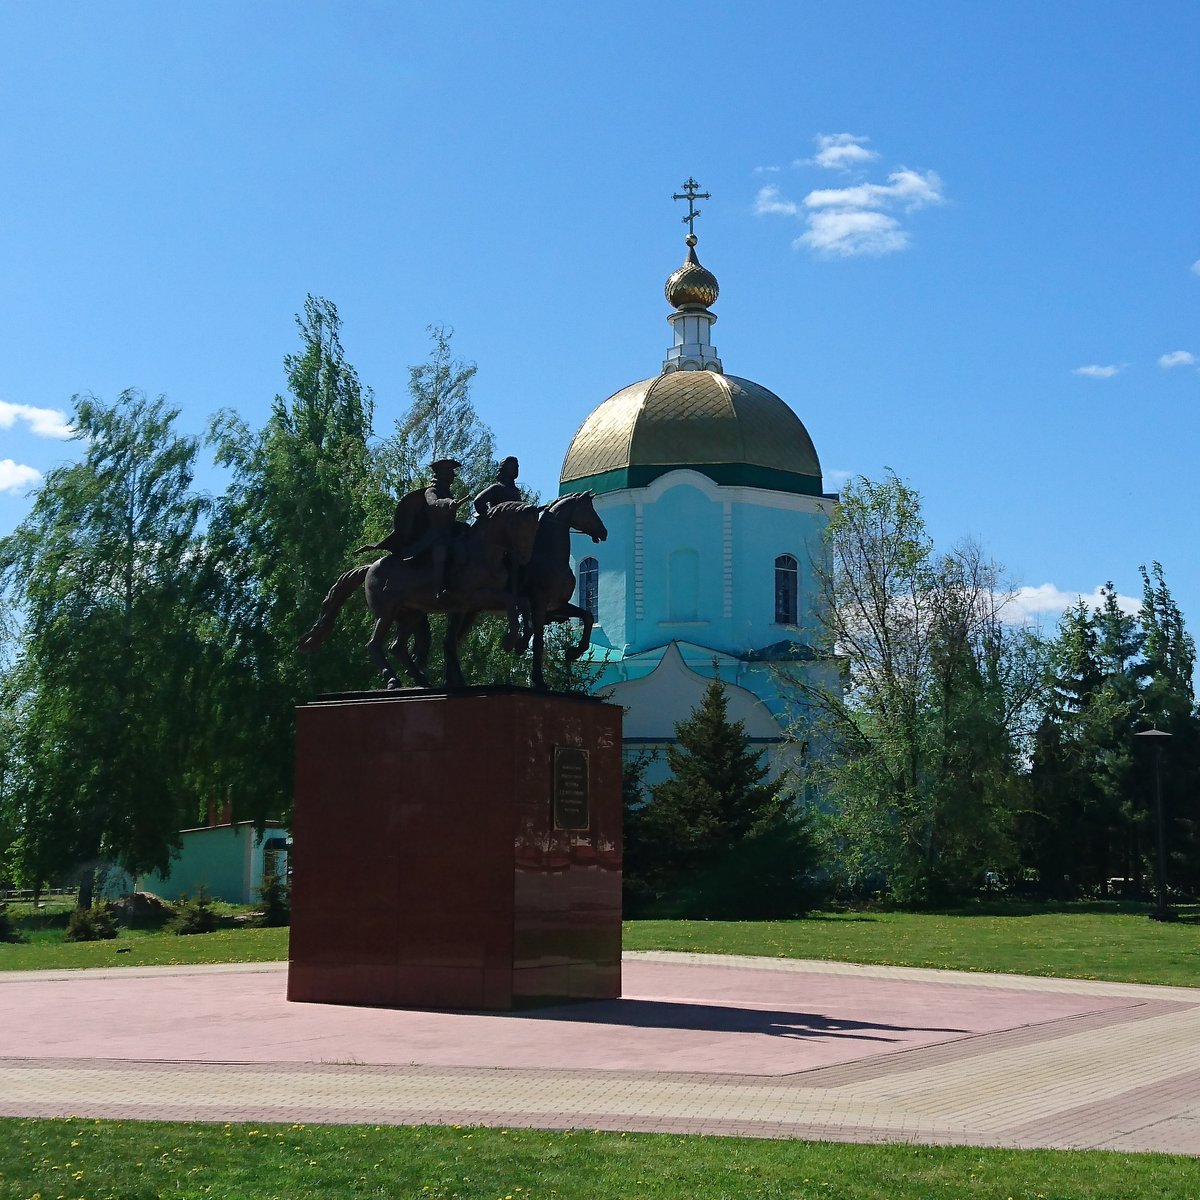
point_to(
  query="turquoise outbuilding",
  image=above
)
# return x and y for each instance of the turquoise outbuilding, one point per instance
(711, 490)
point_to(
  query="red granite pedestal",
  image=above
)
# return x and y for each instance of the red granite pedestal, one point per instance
(456, 850)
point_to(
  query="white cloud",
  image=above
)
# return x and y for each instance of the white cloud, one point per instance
(766, 170)
(1094, 371)
(1029, 603)
(769, 200)
(855, 220)
(910, 189)
(839, 152)
(16, 477)
(1177, 358)
(1196, 266)
(42, 422)
(836, 477)
(845, 232)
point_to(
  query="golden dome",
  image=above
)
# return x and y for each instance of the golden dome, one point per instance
(692, 286)
(733, 430)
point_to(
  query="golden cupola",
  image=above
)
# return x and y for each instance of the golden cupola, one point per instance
(692, 286)
(693, 415)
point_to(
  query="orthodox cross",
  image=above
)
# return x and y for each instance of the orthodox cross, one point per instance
(690, 194)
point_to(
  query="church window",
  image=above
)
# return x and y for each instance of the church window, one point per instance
(589, 586)
(683, 582)
(787, 589)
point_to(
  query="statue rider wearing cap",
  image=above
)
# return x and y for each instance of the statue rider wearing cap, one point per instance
(505, 487)
(424, 520)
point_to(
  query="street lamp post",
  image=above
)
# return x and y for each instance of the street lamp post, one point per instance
(1158, 739)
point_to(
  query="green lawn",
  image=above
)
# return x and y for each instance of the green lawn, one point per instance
(137, 949)
(98, 1160)
(1083, 941)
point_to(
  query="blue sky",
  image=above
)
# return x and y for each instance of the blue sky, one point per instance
(962, 240)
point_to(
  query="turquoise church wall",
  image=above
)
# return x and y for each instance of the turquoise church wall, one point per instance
(735, 536)
(655, 641)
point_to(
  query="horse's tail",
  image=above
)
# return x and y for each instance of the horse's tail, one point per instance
(346, 584)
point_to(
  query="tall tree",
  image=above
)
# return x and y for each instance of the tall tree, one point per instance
(1066, 825)
(934, 704)
(299, 501)
(109, 582)
(1115, 672)
(440, 422)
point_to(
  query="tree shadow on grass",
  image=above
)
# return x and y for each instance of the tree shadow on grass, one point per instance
(723, 1018)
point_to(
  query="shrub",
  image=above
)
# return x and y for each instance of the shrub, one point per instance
(8, 927)
(193, 914)
(95, 924)
(276, 897)
(143, 910)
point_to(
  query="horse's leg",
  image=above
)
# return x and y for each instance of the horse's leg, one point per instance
(422, 643)
(565, 612)
(539, 646)
(413, 626)
(454, 675)
(378, 657)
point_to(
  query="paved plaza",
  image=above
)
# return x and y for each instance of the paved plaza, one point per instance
(699, 1043)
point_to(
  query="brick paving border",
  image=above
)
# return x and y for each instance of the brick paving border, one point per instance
(1126, 1076)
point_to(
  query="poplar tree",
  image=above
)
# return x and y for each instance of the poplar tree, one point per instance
(298, 503)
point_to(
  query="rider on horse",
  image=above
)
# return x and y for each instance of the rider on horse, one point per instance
(424, 520)
(505, 487)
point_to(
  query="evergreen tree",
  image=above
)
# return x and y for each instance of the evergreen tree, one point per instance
(1090, 817)
(716, 839)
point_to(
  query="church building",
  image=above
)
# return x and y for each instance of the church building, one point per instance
(711, 490)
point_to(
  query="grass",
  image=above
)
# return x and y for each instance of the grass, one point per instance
(46, 949)
(1103, 940)
(96, 1160)
(135, 949)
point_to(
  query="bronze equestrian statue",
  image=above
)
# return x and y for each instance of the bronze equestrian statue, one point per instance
(514, 559)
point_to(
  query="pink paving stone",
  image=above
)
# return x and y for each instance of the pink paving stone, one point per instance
(673, 1017)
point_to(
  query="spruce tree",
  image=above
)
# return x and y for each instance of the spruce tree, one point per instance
(716, 839)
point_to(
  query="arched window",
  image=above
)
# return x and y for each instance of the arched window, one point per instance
(589, 586)
(787, 590)
(683, 584)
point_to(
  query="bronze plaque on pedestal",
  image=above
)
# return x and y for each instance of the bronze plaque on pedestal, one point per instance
(571, 809)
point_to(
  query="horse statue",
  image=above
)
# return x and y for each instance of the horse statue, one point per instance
(400, 592)
(547, 581)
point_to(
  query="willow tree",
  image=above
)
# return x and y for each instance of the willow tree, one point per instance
(100, 704)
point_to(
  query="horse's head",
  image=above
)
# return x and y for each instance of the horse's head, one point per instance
(586, 519)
